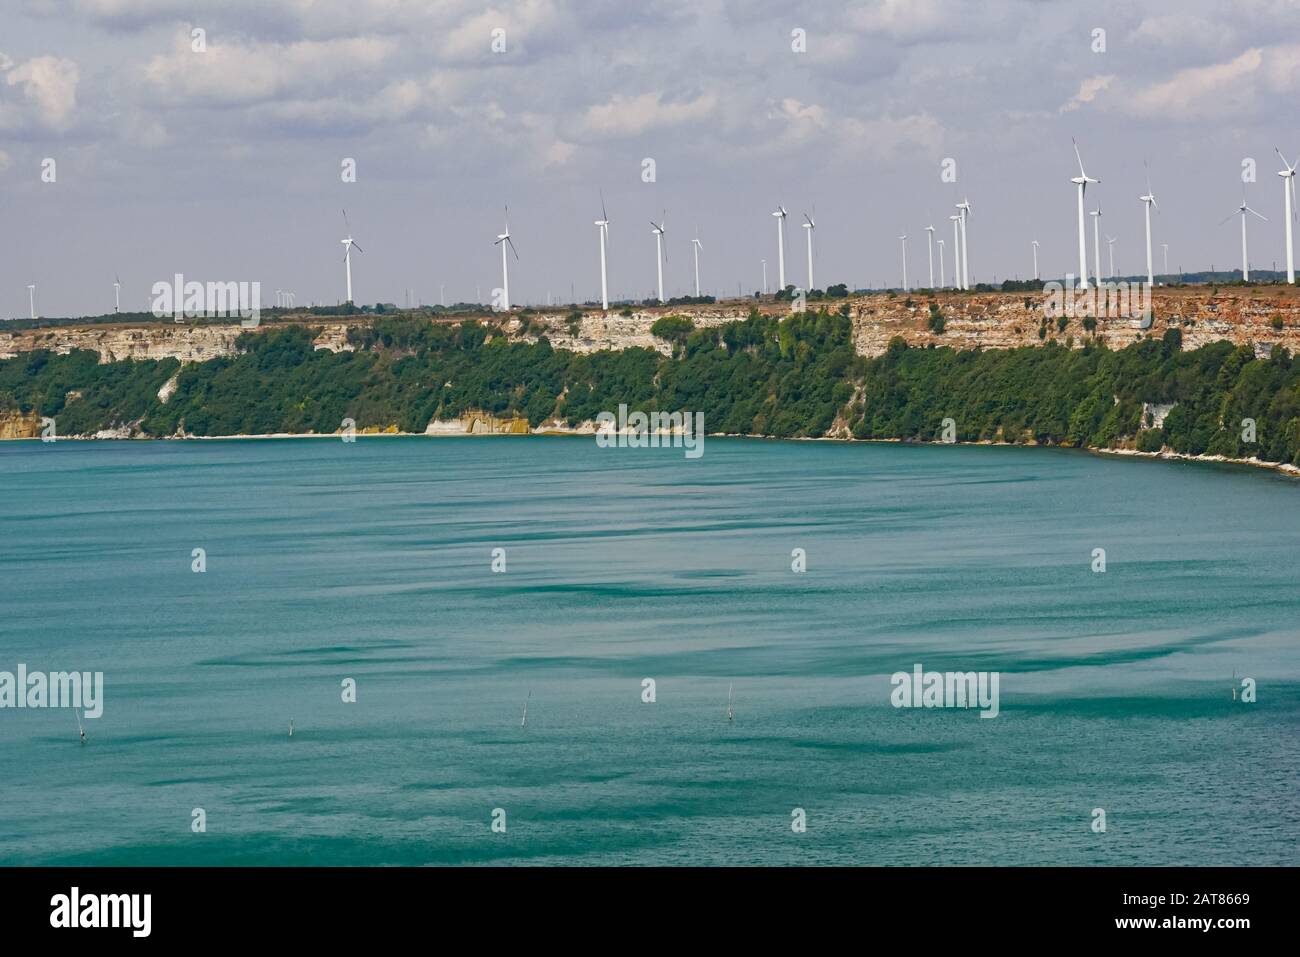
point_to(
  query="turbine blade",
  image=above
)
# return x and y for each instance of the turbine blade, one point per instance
(357, 248)
(512, 247)
(1252, 212)
(1078, 157)
(603, 214)
(1228, 217)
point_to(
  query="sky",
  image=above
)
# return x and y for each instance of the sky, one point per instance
(226, 163)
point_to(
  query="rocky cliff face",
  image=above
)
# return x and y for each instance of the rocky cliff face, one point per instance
(1263, 316)
(16, 425)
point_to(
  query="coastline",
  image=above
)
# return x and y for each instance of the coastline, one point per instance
(1283, 468)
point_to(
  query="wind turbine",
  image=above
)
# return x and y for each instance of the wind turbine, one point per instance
(1288, 190)
(658, 230)
(31, 298)
(603, 225)
(698, 246)
(503, 240)
(1110, 249)
(964, 206)
(941, 279)
(1243, 209)
(1082, 181)
(348, 244)
(929, 248)
(1150, 200)
(780, 215)
(1034, 243)
(1096, 243)
(903, 239)
(810, 224)
(956, 252)
(117, 294)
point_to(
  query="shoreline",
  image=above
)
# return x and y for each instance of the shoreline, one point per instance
(1282, 468)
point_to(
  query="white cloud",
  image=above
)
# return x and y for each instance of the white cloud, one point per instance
(5, 161)
(234, 73)
(631, 115)
(49, 83)
(1088, 91)
(1220, 88)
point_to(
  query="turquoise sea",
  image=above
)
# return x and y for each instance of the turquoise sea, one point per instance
(373, 561)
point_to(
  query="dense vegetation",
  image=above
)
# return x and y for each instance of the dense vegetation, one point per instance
(791, 376)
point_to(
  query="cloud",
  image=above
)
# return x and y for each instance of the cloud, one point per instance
(5, 161)
(1203, 91)
(237, 74)
(1088, 91)
(876, 137)
(631, 115)
(49, 83)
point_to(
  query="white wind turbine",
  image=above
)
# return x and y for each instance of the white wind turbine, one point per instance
(964, 206)
(117, 294)
(1243, 209)
(348, 245)
(1096, 243)
(929, 248)
(1149, 200)
(903, 239)
(31, 299)
(658, 230)
(810, 224)
(603, 225)
(1082, 181)
(956, 252)
(1034, 243)
(780, 215)
(1288, 190)
(1110, 249)
(941, 279)
(503, 240)
(697, 247)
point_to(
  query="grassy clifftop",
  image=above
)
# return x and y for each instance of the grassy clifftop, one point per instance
(767, 375)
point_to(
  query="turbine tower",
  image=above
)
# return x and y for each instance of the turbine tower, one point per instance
(117, 294)
(1150, 200)
(956, 252)
(765, 277)
(31, 299)
(780, 215)
(603, 225)
(810, 224)
(1288, 190)
(1082, 181)
(348, 245)
(1243, 209)
(903, 238)
(929, 248)
(1165, 247)
(503, 240)
(1096, 243)
(941, 279)
(1034, 243)
(964, 206)
(658, 230)
(1110, 249)
(698, 246)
